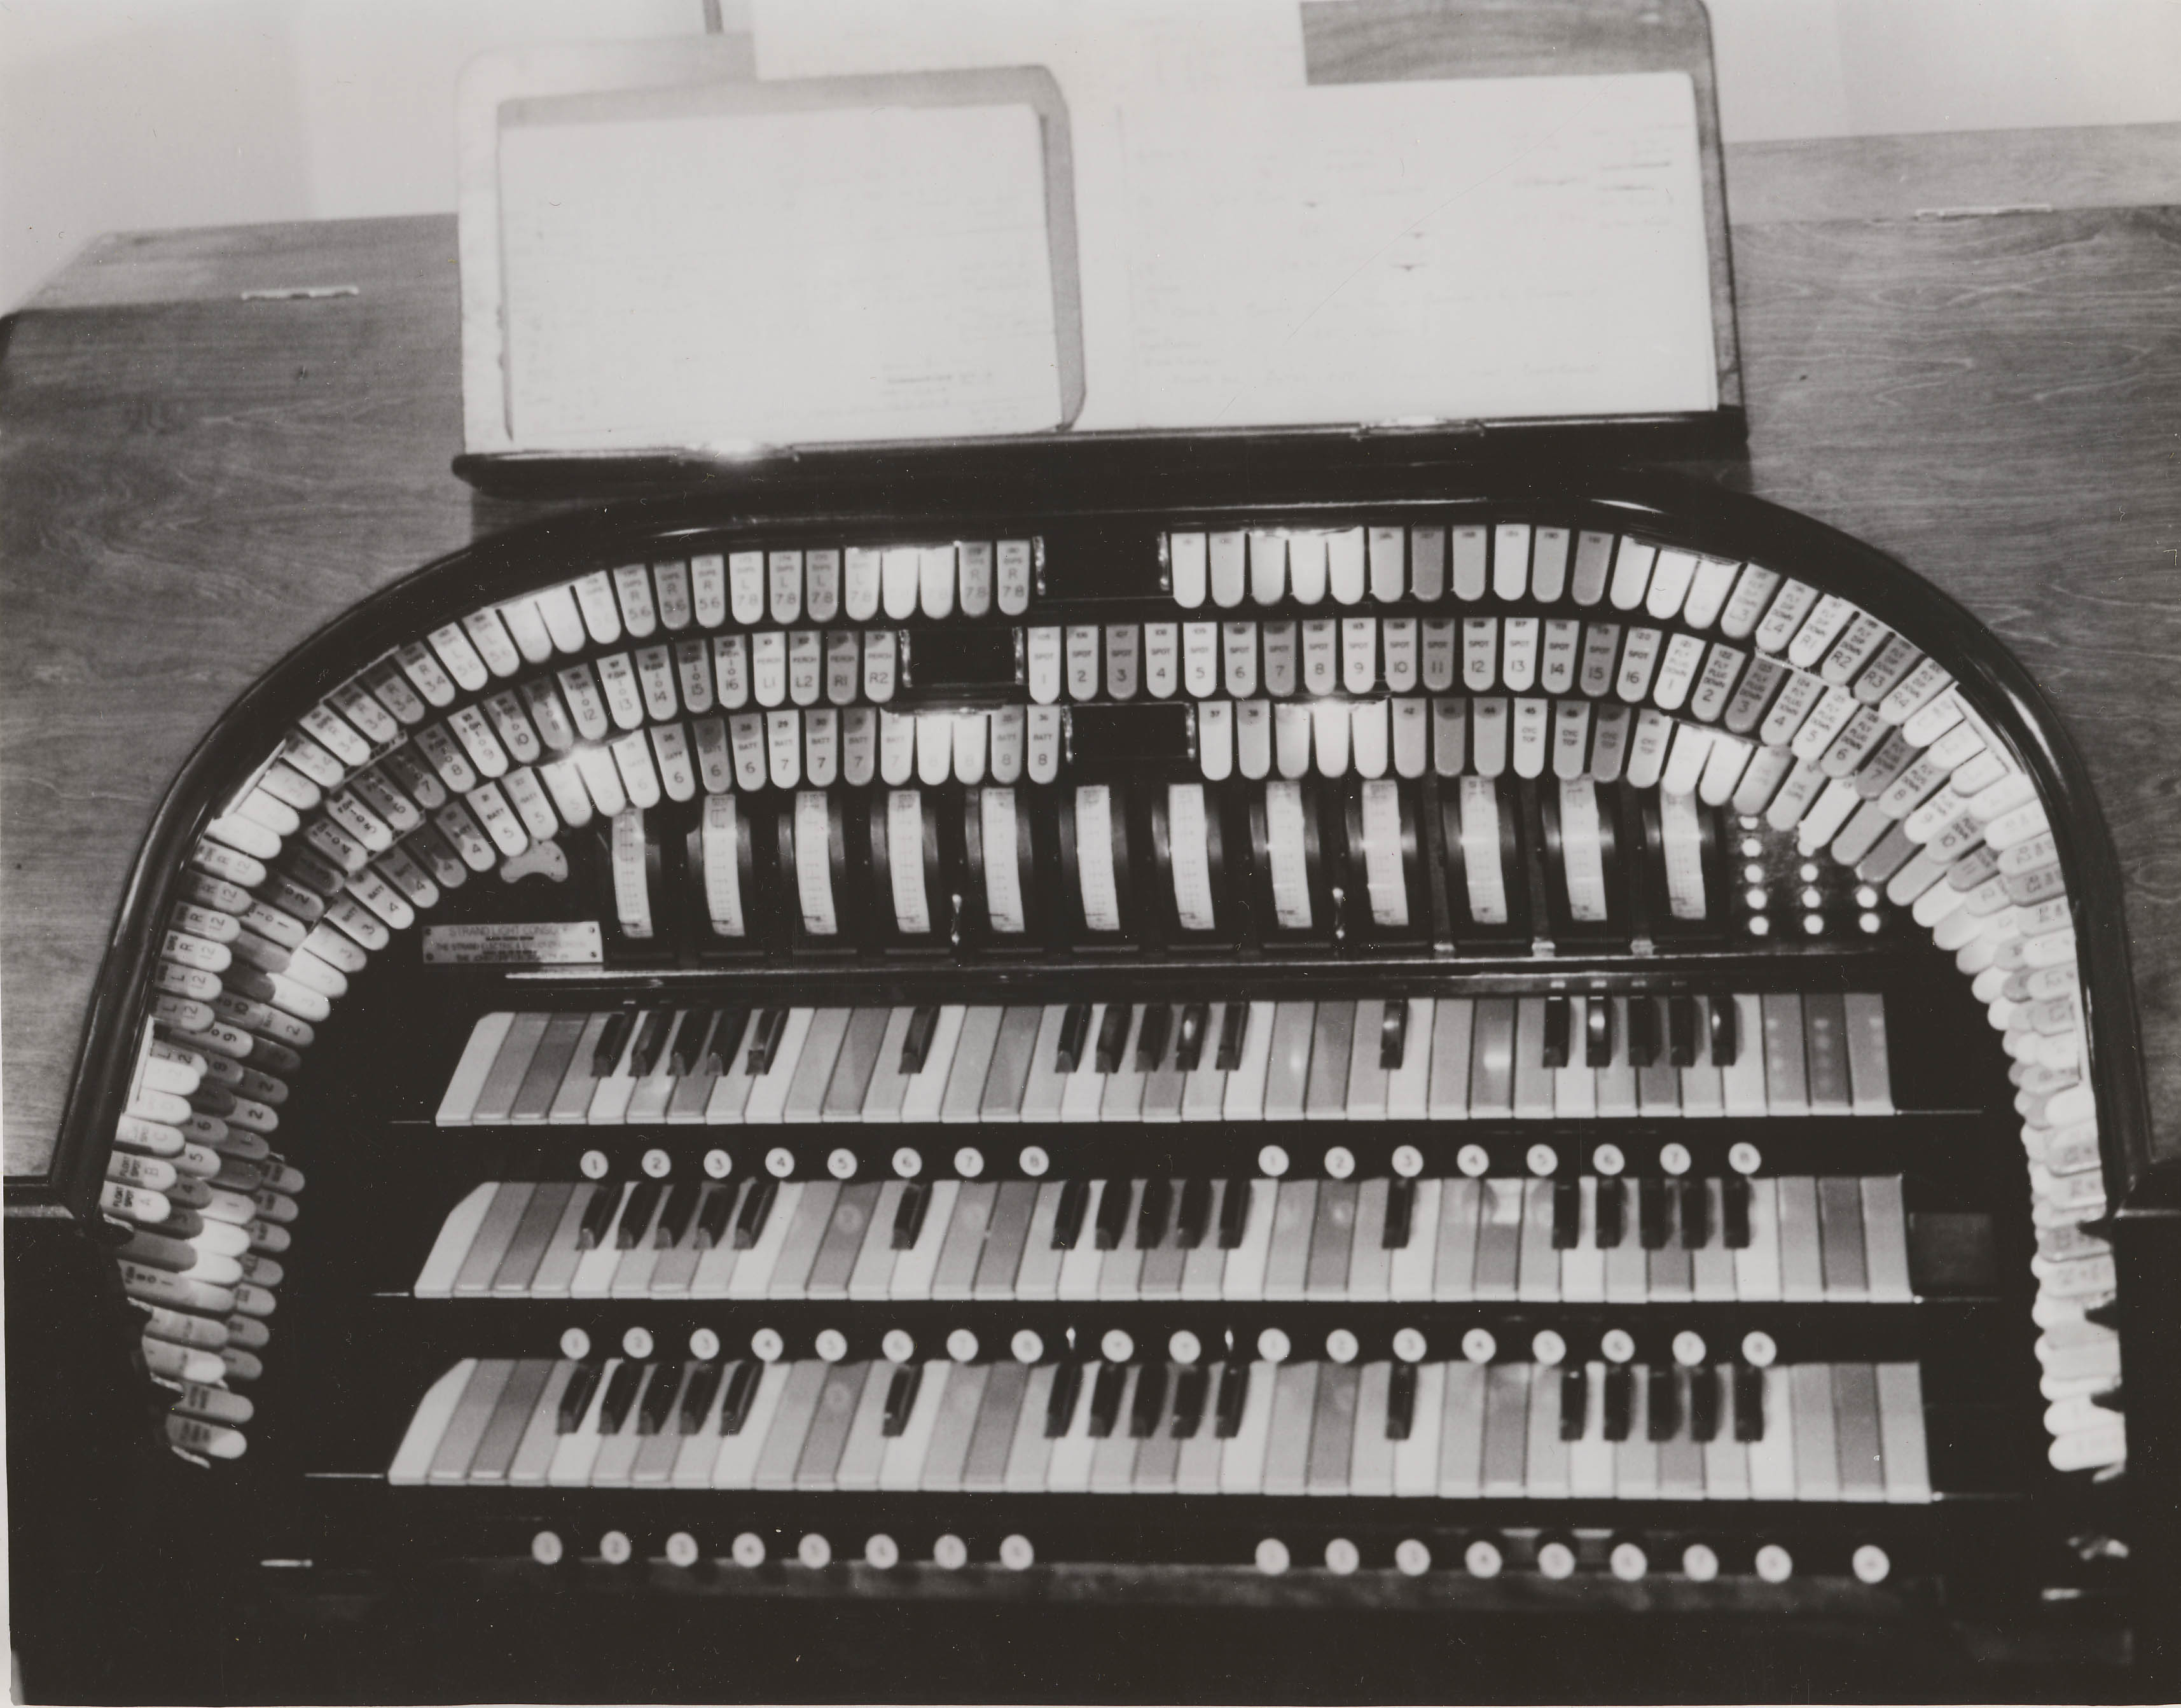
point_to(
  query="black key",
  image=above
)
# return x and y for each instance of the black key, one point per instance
(611, 1042)
(620, 1394)
(1400, 1402)
(1653, 1214)
(1190, 1389)
(1725, 1030)
(1681, 1032)
(1559, 1023)
(1060, 1407)
(1665, 1403)
(1149, 1406)
(575, 1398)
(1748, 1403)
(598, 1217)
(651, 1042)
(726, 1038)
(901, 1398)
(692, 1041)
(1074, 1034)
(696, 1397)
(1106, 1398)
(741, 1394)
(1612, 1212)
(1154, 1216)
(1151, 1037)
(1567, 1214)
(1703, 1404)
(1734, 1212)
(1597, 1033)
(1620, 1401)
(756, 1211)
(1233, 1025)
(1189, 1047)
(765, 1039)
(1193, 1220)
(659, 1399)
(1113, 1215)
(916, 1042)
(713, 1217)
(1394, 1036)
(908, 1215)
(1113, 1037)
(1233, 1212)
(675, 1216)
(1643, 1031)
(1067, 1221)
(1234, 1396)
(636, 1217)
(1400, 1215)
(1575, 1401)
(1696, 1215)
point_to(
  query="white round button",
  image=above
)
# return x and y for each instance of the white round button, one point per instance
(1408, 1161)
(1760, 926)
(545, 1548)
(1689, 1348)
(1775, 1564)
(1016, 1553)
(575, 1344)
(1628, 1561)
(719, 1164)
(1608, 1160)
(636, 1343)
(1472, 1160)
(1272, 1346)
(833, 1345)
(681, 1550)
(1410, 1345)
(1273, 1160)
(950, 1553)
(1340, 1162)
(1028, 1345)
(1412, 1557)
(780, 1162)
(749, 1549)
(1547, 1346)
(1617, 1345)
(614, 1548)
(1478, 1345)
(1272, 1556)
(1035, 1161)
(881, 1552)
(969, 1161)
(1674, 1158)
(899, 1346)
(841, 1163)
(1758, 1349)
(1116, 1347)
(1808, 871)
(1184, 1347)
(704, 1343)
(962, 1345)
(1483, 1559)
(658, 1164)
(907, 1163)
(814, 1551)
(1870, 1564)
(1556, 1559)
(1745, 1159)
(1543, 1159)
(765, 1343)
(1699, 1565)
(1342, 1556)
(1340, 1347)
(594, 1165)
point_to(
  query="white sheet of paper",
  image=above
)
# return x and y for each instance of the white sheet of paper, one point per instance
(798, 277)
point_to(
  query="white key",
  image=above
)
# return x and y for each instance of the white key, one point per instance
(1410, 1274)
(1067, 1469)
(1574, 1086)
(752, 1274)
(914, 1268)
(468, 1079)
(735, 1466)
(1415, 1460)
(1742, 1083)
(436, 1280)
(1084, 1090)
(1079, 1268)
(1242, 1465)
(1582, 1266)
(1408, 1087)
(1244, 1093)
(610, 1100)
(1591, 1459)
(1757, 1265)
(1772, 1460)
(576, 1451)
(768, 1096)
(1246, 1263)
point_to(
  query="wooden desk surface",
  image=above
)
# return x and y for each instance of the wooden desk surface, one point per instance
(192, 483)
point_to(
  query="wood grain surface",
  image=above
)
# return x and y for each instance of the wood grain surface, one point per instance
(192, 483)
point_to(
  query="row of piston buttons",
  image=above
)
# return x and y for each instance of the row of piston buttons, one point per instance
(969, 1162)
(749, 1550)
(1118, 1347)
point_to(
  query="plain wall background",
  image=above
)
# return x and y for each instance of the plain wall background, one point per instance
(135, 115)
